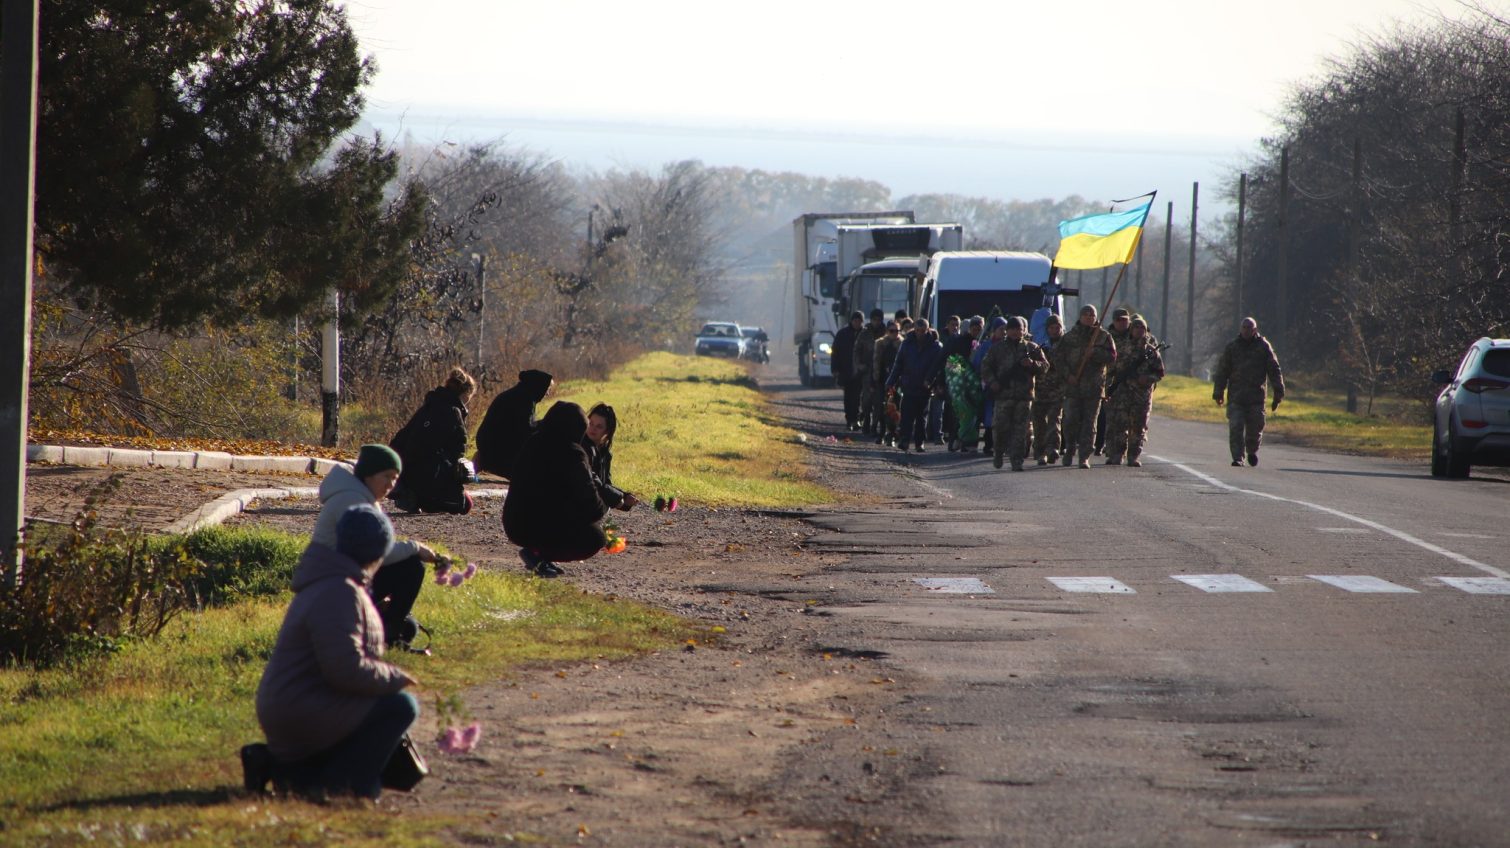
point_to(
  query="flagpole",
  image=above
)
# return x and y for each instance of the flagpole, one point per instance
(1111, 295)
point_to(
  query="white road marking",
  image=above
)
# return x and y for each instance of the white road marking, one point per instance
(1105, 585)
(1221, 582)
(1358, 583)
(1467, 535)
(954, 585)
(1479, 585)
(1398, 534)
(1341, 530)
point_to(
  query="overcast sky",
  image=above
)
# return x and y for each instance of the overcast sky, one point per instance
(1192, 80)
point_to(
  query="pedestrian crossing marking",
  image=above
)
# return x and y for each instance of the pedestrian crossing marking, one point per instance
(954, 585)
(1479, 585)
(1221, 583)
(1103, 585)
(1361, 584)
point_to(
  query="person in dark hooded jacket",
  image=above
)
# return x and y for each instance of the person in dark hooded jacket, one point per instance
(431, 446)
(554, 511)
(509, 422)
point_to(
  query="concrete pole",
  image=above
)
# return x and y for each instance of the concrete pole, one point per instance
(18, 153)
(330, 373)
(1242, 209)
(1168, 256)
(1281, 284)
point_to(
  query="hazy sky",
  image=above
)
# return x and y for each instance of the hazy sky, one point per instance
(1183, 79)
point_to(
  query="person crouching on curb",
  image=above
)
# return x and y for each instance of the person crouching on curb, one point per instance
(554, 511)
(397, 582)
(333, 711)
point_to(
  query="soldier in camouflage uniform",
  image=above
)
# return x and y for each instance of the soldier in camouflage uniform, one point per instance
(1048, 401)
(1121, 322)
(1082, 396)
(865, 351)
(1010, 368)
(885, 354)
(1245, 366)
(1132, 396)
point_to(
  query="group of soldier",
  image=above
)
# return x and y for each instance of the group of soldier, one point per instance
(1084, 391)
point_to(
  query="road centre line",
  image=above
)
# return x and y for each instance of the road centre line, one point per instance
(1398, 534)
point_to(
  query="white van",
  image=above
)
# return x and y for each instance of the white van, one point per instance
(978, 282)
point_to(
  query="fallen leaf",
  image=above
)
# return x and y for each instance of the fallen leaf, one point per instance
(561, 674)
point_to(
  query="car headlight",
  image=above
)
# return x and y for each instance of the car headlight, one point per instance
(825, 347)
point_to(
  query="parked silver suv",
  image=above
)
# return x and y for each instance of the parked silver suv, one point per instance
(1472, 421)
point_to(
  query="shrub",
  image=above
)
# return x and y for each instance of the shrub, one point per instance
(85, 586)
(238, 562)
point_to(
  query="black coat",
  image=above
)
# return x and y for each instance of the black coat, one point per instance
(509, 423)
(431, 446)
(842, 358)
(600, 459)
(553, 494)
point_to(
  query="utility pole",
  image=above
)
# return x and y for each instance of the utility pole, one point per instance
(1355, 210)
(330, 373)
(482, 302)
(1282, 285)
(1242, 209)
(1195, 196)
(1105, 284)
(18, 152)
(1168, 254)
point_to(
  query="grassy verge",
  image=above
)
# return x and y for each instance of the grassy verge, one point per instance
(141, 746)
(1312, 419)
(696, 427)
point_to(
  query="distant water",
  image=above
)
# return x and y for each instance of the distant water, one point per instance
(1025, 166)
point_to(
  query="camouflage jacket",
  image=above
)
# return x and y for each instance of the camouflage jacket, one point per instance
(1139, 372)
(1050, 386)
(865, 352)
(1071, 350)
(1003, 371)
(885, 354)
(1243, 369)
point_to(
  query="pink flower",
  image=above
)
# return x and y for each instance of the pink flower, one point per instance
(471, 735)
(441, 579)
(470, 572)
(442, 565)
(671, 507)
(450, 741)
(455, 578)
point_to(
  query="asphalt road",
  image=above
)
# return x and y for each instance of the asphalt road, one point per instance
(1313, 651)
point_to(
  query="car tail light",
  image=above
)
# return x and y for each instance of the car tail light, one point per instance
(1484, 384)
(1473, 425)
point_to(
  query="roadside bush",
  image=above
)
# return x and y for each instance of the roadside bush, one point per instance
(238, 562)
(85, 587)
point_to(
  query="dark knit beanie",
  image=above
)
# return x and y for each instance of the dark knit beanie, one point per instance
(364, 534)
(374, 458)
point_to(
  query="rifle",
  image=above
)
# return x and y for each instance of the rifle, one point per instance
(1132, 367)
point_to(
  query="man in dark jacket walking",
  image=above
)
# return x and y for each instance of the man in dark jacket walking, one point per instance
(842, 360)
(1245, 366)
(509, 422)
(554, 511)
(913, 374)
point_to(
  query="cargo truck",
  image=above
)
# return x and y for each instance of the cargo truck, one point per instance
(815, 280)
(867, 263)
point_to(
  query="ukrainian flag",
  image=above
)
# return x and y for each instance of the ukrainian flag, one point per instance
(1096, 241)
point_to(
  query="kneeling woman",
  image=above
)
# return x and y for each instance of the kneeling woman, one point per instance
(332, 709)
(554, 510)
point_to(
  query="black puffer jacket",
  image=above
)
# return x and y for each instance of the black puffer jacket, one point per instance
(553, 491)
(431, 446)
(509, 422)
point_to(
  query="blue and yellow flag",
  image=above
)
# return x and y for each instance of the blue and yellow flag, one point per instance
(1096, 241)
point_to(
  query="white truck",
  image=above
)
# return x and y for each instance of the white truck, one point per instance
(869, 281)
(815, 279)
(978, 282)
